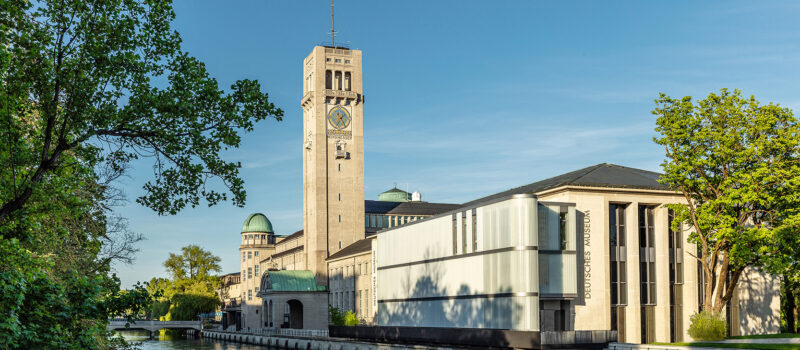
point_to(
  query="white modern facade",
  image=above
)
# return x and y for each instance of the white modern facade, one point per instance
(495, 265)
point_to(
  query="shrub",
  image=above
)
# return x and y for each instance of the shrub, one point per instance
(336, 317)
(350, 319)
(706, 326)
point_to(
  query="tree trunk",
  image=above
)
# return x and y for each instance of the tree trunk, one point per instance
(790, 304)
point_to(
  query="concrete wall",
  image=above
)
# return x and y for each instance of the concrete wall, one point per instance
(759, 303)
(757, 296)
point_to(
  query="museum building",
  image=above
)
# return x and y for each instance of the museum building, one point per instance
(589, 250)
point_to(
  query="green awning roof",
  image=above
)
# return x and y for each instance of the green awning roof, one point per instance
(293, 281)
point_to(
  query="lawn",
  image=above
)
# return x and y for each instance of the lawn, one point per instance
(738, 345)
(747, 345)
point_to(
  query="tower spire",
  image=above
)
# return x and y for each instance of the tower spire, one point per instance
(332, 32)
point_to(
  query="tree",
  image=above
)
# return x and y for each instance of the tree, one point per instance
(107, 82)
(194, 261)
(85, 88)
(736, 162)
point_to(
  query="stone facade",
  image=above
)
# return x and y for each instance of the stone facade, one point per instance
(333, 156)
(351, 284)
(255, 246)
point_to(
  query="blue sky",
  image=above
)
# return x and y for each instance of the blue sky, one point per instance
(467, 98)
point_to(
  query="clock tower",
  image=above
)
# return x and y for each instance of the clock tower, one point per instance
(333, 154)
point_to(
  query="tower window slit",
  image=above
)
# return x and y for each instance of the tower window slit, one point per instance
(338, 80)
(347, 77)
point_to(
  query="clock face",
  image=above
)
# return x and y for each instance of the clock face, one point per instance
(339, 118)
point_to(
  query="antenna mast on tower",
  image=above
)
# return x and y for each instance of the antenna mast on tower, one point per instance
(333, 32)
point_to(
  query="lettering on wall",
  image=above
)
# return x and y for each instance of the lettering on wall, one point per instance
(587, 256)
(340, 134)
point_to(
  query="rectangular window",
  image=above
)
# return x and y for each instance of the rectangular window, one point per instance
(619, 273)
(647, 261)
(256, 270)
(255, 253)
(675, 281)
(562, 230)
(243, 255)
(249, 272)
(474, 230)
(249, 255)
(455, 235)
(249, 294)
(464, 232)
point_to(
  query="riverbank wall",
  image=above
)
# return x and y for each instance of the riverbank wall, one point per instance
(299, 343)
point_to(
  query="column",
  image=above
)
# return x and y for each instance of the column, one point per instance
(662, 324)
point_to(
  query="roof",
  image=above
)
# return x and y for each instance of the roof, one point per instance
(394, 195)
(360, 246)
(407, 208)
(600, 175)
(293, 235)
(257, 222)
(292, 281)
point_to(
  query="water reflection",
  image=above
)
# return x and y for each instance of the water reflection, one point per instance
(168, 341)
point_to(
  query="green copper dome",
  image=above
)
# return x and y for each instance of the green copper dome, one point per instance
(394, 195)
(257, 223)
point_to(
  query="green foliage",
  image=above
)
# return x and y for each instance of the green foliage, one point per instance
(705, 326)
(86, 88)
(350, 319)
(186, 307)
(186, 296)
(335, 315)
(45, 312)
(737, 163)
(193, 263)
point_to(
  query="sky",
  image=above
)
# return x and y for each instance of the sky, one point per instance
(464, 98)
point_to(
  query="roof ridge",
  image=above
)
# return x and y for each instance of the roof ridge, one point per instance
(592, 169)
(632, 168)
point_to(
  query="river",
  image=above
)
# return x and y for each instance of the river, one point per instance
(175, 343)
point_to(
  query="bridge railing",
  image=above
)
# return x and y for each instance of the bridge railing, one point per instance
(286, 332)
(119, 322)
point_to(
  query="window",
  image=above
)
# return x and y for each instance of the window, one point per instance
(255, 253)
(647, 272)
(328, 79)
(338, 61)
(340, 167)
(366, 268)
(249, 294)
(340, 197)
(256, 270)
(455, 235)
(340, 218)
(347, 76)
(618, 268)
(347, 61)
(464, 232)
(675, 281)
(647, 261)
(249, 255)
(249, 272)
(474, 230)
(562, 230)
(242, 256)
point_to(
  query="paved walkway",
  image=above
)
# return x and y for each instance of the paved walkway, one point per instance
(763, 341)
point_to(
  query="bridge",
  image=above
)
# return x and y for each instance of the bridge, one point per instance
(153, 326)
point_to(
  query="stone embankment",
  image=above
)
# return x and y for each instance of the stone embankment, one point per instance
(301, 343)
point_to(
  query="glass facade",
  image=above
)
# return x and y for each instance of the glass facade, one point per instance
(618, 268)
(386, 221)
(675, 282)
(647, 272)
